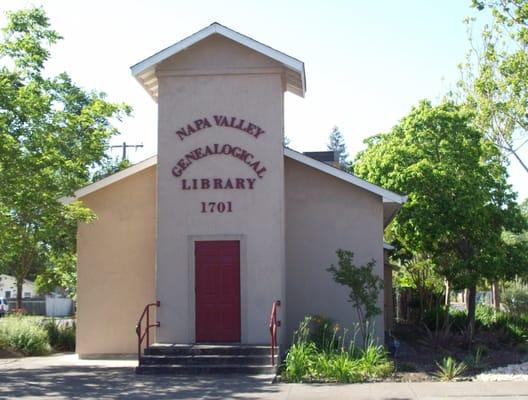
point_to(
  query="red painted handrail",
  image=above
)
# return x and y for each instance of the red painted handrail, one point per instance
(273, 325)
(141, 336)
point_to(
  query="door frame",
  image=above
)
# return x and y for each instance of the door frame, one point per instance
(192, 239)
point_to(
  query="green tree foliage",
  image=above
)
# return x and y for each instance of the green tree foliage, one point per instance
(364, 287)
(336, 143)
(419, 273)
(109, 167)
(459, 202)
(51, 134)
(495, 75)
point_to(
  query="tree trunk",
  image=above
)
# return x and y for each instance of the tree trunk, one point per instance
(19, 285)
(495, 291)
(471, 306)
(447, 303)
(421, 311)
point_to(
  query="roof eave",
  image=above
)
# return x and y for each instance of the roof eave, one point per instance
(149, 64)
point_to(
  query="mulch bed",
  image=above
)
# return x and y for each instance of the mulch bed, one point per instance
(416, 358)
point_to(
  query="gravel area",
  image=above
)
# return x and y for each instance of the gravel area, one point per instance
(513, 372)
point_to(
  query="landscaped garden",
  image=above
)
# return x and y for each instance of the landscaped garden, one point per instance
(322, 352)
(22, 335)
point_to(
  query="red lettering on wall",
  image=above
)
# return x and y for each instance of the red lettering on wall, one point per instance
(217, 149)
(220, 121)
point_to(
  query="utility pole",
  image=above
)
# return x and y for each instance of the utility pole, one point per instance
(124, 146)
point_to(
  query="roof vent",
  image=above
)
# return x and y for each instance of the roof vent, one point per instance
(327, 157)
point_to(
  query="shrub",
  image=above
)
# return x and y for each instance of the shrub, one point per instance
(515, 299)
(61, 337)
(322, 332)
(299, 362)
(514, 325)
(486, 316)
(449, 369)
(24, 335)
(331, 360)
(457, 319)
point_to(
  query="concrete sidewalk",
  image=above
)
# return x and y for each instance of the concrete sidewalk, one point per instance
(65, 376)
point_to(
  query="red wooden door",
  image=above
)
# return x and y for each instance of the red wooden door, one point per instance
(217, 281)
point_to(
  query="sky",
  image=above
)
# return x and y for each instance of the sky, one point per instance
(367, 62)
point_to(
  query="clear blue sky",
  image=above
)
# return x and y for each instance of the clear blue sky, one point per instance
(367, 63)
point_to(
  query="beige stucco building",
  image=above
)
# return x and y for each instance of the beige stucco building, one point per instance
(225, 220)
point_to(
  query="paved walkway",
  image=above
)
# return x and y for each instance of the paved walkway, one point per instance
(64, 376)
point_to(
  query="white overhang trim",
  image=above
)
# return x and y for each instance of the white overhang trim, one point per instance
(147, 66)
(140, 166)
(387, 195)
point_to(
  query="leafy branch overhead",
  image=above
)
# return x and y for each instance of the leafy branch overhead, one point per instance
(495, 75)
(52, 133)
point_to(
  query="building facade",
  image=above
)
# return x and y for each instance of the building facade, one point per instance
(225, 220)
(8, 287)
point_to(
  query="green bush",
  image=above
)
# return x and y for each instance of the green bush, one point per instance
(449, 369)
(24, 335)
(514, 325)
(330, 360)
(322, 332)
(515, 299)
(61, 337)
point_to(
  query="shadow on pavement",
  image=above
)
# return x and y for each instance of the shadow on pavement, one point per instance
(95, 382)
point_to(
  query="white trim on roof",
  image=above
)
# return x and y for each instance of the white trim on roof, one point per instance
(144, 71)
(387, 195)
(140, 166)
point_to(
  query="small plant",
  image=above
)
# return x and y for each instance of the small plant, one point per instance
(24, 335)
(323, 332)
(435, 339)
(333, 361)
(299, 361)
(475, 360)
(449, 369)
(364, 285)
(61, 337)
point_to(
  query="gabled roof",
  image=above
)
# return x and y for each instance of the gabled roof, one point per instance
(145, 71)
(107, 181)
(391, 201)
(387, 195)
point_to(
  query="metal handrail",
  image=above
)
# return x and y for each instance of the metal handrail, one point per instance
(273, 325)
(141, 336)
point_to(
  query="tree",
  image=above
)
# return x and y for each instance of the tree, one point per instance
(336, 143)
(109, 167)
(495, 75)
(419, 273)
(364, 288)
(51, 134)
(459, 203)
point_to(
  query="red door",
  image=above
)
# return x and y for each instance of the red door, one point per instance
(217, 269)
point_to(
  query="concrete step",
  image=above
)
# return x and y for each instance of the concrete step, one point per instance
(221, 359)
(205, 369)
(207, 349)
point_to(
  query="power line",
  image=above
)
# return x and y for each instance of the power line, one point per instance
(124, 146)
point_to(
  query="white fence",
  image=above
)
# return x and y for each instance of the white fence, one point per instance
(58, 307)
(48, 306)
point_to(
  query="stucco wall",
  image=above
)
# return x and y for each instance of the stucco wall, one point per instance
(219, 77)
(323, 214)
(116, 264)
